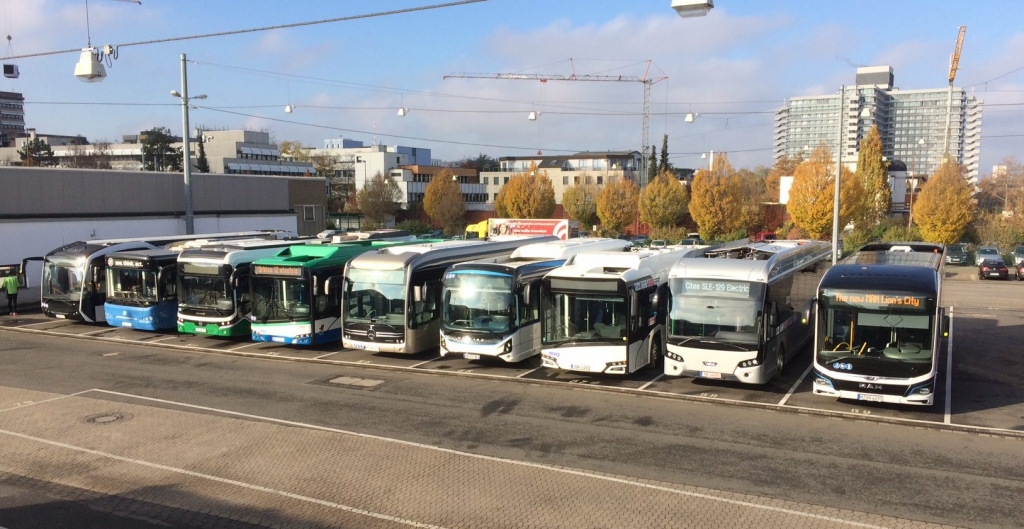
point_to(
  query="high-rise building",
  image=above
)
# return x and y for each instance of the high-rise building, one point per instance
(912, 123)
(12, 117)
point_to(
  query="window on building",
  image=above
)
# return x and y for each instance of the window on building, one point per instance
(308, 213)
(600, 180)
(565, 180)
(486, 180)
(506, 180)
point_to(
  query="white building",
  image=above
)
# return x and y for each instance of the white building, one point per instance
(566, 170)
(912, 123)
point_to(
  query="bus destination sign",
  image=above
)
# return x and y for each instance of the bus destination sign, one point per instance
(721, 288)
(269, 270)
(125, 263)
(877, 300)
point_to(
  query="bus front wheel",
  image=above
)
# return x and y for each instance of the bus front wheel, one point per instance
(654, 361)
(780, 361)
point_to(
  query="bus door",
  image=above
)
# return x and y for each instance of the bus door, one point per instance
(94, 292)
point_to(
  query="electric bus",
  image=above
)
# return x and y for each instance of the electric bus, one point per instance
(73, 285)
(141, 289)
(213, 285)
(291, 301)
(491, 307)
(392, 297)
(879, 322)
(735, 312)
(604, 312)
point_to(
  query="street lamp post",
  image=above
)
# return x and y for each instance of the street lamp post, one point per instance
(839, 174)
(913, 186)
(187, 152)
(711, 159)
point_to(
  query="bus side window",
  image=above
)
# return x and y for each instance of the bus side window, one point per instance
(243, 295)
(100, 285)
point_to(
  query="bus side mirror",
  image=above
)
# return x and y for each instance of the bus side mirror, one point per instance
(773, 314)
(634, 304)
(527, 292)
(805, 314)
(418, 293)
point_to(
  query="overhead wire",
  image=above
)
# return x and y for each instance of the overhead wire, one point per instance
(259, 29)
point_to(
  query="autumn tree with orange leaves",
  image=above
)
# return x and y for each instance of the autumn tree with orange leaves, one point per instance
(945, 207)
(784, 166)
(715, 201)
(664, 201)
(617, 206)
(444, 203)
(811, 197)
(528, 195)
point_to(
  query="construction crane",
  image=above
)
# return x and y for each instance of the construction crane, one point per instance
(646, 80)
(954, 63)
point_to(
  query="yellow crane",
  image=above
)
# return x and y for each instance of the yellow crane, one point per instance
(954, 63)
(543, 78)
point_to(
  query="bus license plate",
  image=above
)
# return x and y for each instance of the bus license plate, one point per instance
(705, 374)
(279, 339)
(126, 324)
(60, 316)
(200, 330)
(471, 356)
(579, 367)
(870, 398)
(366, 347)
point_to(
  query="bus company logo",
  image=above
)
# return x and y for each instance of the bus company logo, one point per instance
(864, 385)
(843, 366)
(371, 335)
(711, 364)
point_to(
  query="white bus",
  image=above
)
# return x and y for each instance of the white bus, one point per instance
(879, 322)
(735, 313)
(391, 299)
(213, 285)
(74, 276)
(491, 307)
(604, 312)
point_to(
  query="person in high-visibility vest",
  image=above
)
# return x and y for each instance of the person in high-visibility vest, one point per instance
(10, 285)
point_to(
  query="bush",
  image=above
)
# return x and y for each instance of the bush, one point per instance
(415, 227)
(671, 234)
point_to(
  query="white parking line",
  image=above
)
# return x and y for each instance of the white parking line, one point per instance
(161, 339)
(427, 362)
(250, 486)
(516, 462)
(521, 375)
(41, 323)
(27, 404)
(244, 346)
(655, 379)
(326, 355)
(949, 371)
(90, 333)
(798, 382)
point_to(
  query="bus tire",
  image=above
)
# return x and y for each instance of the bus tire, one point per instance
(654, 360)
(780, 360)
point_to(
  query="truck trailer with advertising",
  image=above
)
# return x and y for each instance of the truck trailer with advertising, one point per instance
(493, 227)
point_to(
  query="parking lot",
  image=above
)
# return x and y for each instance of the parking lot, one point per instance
(984, 390)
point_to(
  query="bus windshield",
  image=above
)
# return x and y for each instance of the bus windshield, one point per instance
(131, 286)
(279, 300)
(711, 311)
(478, 302)
(206, 291)
(375, 296)
(882, 343)
(63, 279)
(586, 317)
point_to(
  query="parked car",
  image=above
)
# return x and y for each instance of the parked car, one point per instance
(692, 241)
(1018, 254)
(436, 234)
(993, 267)
(955, 255)
(640, 241)
(1020, 271)
(659, 243)
(986, 252)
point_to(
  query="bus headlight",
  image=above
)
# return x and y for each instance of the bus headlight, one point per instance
(508, 346)
(616, 367)
(444, 343)
(750, 363)
(823, 382)
(673, 356)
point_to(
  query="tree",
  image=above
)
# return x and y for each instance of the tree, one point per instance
(36, 153)
(663, 165)
(323, 164)
(444, 203)
(945, 208)
(714, 202)
(294, 151)
(652, 164)
(378, 200)
(617, 206)
(1003, 191)
(580, 202)
(751, 196)
(527, 195)
(482, 163)
(202, 164)
(873, 172)
(157, 153)
(663, 202)
(784, 166)
(811, 198)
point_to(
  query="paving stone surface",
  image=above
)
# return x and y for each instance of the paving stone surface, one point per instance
(181, 465)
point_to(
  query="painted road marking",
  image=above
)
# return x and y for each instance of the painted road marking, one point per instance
(949, 371)
(427, 362)
(521, 375)
(326, 355)
(244, 346)
(30, 403)
(655, 379)
(798, 382)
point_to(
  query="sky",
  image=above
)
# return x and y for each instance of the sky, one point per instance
(347, 79)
